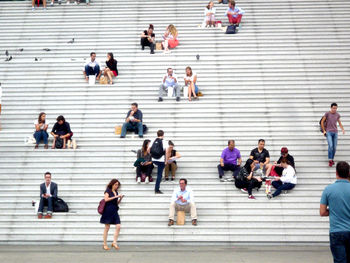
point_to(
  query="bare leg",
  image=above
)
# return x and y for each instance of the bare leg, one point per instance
(268, 169)
(64, 142)
(193, 90)
(105, 234)
(110, 77)
(44, 3)
(33, 3)
(189, 93)
(116, 233)
(53, 143)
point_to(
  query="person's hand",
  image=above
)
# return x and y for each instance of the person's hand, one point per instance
(222, 165)
(259, 179)
(62, 136)
(87, 79)
(343, 131)
(179, 197)
(55, 136)
(256, 161)
(132, 113)
(324, 133)
(97, 78)
(277, 178)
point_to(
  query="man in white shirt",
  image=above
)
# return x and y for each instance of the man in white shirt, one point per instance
(182, 200)
(48, 191)
(92, 67)
(169, 82)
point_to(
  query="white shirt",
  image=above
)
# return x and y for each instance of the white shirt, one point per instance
(194, 74)
(48, 189)
(212, 10)
(187, 194)
(161, 159)
(90, 63)
(41, 125)
(288, 175)
(168, 81)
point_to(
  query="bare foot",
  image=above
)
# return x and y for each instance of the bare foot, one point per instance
(53, 147)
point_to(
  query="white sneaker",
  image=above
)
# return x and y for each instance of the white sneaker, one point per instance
(51, 4)
(138, 180)
(68, 2)
(147, 180)
(75, 3)
(74, 144)
(69, 144)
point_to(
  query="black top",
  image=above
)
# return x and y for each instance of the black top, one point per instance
(261, 157)
(61, 129)
(146, 33)
(137, 115)
(243, 174)
(112, 65)
(289, 158)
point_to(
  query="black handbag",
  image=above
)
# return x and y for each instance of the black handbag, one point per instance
(60, 206)
(231, 29)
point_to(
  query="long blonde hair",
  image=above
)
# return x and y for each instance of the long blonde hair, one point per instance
(172, 29)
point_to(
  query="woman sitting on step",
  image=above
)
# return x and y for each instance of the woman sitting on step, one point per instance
(245, 179)
(191, 83)
(110, 70)
(170, 38)
(209, 13)
(144, 162)
(41, 130)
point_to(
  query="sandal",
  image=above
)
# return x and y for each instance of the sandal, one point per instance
(105, 247)
(115, 246)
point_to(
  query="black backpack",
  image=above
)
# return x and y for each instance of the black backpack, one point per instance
(60, 206)
(325, 124)
(157, 150)
(59, 143)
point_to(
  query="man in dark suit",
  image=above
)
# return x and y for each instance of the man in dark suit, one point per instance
(48, 191)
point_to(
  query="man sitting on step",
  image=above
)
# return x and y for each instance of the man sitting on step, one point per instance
(182, 200)
(234, 13)
(260, 156)
(61, 132)
(133, 121)
(230, 161)
(92, 67)
(48, 191)
(169, 84)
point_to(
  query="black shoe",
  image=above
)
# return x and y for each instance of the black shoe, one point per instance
(122, 137)
(171, 222)
(177, 98)
(158, 192)
(140, 136)
(160, 99)
(143, 48)
(152, 52)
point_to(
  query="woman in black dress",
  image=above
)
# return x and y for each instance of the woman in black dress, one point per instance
(111, 68)
(245, 179)
(110, 213)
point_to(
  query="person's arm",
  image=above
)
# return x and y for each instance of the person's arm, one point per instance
(174, 196)
(178, 155)
(54, 128)
(164, 79)
(222, 162)
(99, 74)
(68, 131)
(46, 126)
(324, 210)
(138, 154)
(139, 119)
(322, 124)
(107, 198)
(195, 79)
(120, 198)
(55, 190)
(341, 126)
(37, 127)
(250, 176)
(41, 192)
(288, 177)
(267, 160)
(167, 154)
(143, 34)
(175, 79)
(239, 161)
(128, 115)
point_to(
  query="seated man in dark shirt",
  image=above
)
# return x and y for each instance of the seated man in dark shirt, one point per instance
(148, 38)
(62, 130)
(133, 121)
(276, 169)
(260, 155)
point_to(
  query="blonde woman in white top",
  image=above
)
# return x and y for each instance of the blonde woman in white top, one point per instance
(190, 81)
(209, 13)
(170, 38)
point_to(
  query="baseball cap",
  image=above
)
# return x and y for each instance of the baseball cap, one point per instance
(284, 150)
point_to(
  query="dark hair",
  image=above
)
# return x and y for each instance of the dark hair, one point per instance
(47, 173)
(232, 2)
(112, 182)
(60, 118)
(92, 53)
(261, 140)
(247, 165)
(39, 118)
(229, 141)
(111, 55)
(168, 69)
(144, 145)
(208, 6)
(170, 143)
(160, 133)
(134, 104)
(342, 169)
(285, 160)
(334, 104)
(151, 27)
(183, 179)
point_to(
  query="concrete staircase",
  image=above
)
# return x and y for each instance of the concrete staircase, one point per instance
(272, 80)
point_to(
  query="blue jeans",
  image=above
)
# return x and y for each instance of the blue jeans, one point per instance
(92, 71)
(161, 166)
(281, 187)
(41, 135)
(129, 126)
(43, 202)
(332, 139)
(340, 246)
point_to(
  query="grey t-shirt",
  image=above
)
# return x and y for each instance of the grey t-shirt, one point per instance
(331, 121)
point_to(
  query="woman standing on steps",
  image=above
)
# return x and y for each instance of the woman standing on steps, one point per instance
(110, 214)
(110, 70)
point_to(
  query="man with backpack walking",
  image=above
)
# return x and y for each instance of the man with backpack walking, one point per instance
(157, 151)
(330, 130)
